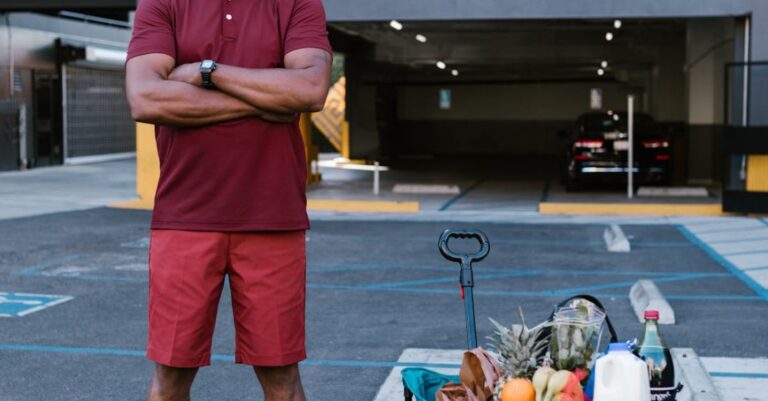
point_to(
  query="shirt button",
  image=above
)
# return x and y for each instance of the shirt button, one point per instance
(228, 17)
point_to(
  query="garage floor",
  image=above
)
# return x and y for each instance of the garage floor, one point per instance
(487, 184)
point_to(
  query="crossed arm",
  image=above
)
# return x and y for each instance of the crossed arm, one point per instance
(160, 93)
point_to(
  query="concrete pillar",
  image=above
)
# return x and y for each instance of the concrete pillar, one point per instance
(710, 45)
(361, 110)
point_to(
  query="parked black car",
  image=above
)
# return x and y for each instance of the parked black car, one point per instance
(598, 150)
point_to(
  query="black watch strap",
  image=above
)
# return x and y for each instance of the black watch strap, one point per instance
(207, 67)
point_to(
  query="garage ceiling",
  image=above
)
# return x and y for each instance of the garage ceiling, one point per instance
(557, 49)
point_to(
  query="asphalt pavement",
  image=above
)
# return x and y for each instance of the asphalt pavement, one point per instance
(374, 289)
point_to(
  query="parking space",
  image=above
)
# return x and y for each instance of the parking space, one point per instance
(375, 289)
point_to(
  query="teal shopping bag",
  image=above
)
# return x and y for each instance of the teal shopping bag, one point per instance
(424, 383)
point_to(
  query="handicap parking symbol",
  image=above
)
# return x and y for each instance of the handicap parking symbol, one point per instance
(18, 304)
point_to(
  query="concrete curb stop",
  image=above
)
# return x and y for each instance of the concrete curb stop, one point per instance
(615, 240)
(645, 295)
(690, 371)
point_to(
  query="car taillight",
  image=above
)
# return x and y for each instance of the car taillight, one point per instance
(655, 144)
(588, 144)
(663, 157)
(582, 157)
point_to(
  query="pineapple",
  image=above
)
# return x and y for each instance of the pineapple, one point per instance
(520, 350)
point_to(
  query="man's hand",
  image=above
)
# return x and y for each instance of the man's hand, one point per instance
(156, 99)
(188, 73)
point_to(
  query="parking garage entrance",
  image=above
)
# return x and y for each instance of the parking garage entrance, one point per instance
(505, 103)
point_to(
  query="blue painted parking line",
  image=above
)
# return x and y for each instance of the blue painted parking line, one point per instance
(219, 357)
(622, 284)
(525, 294)
(19, 304)
(478, 277)
(740, 375)
(606, 271)
(754, 285)
(460, 195)
(731, 230)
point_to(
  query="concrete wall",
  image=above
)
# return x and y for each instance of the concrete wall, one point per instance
(356, 10)
(711, 44)
(499, 119)
(500, 102)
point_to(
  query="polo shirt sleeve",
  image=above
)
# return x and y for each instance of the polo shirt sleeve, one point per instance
(307, 27)
(152, 30)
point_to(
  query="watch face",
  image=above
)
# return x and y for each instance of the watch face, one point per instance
(207, 64)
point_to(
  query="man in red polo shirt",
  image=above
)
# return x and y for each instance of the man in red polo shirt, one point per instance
(223, 82)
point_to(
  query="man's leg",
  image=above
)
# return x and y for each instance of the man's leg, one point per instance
(281, 383)
(186, 276)
(171, 384)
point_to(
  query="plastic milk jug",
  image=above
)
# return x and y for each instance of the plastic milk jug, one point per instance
(621, 376)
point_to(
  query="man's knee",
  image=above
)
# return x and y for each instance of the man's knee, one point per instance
(169, 383)
(281, 383)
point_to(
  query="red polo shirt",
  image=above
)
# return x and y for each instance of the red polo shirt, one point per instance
(241, 175)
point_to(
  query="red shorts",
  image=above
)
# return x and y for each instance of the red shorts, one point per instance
(267, 278)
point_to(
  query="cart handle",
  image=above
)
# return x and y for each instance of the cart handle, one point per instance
(465, 259)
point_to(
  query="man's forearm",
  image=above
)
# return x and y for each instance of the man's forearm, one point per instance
(169, 102)
(279, 90)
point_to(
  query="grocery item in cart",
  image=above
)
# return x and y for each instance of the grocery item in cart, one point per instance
(578, 325)
(654, 351)
(621, 376)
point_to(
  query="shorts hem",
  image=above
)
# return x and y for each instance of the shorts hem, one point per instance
(271, 360)
(178, 361)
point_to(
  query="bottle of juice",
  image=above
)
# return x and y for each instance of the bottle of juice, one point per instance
(655, 352)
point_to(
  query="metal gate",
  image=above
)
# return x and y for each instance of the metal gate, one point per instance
(11, 121)
(745, 184)
(97, 120)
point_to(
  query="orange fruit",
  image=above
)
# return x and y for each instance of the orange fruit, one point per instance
(518, 390)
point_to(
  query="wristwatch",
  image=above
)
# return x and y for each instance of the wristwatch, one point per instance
(207, 67)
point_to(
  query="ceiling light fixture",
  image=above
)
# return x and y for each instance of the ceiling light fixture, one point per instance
(441, 65)
(609, 36)
(604, 64)
(421, 38)
(396, 25)
(455, 73)
(617, 24)
(600, 72)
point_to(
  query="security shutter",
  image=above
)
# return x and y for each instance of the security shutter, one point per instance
(98, 120)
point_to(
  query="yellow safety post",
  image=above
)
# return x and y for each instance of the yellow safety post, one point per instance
(345, 139)
(311, 150)
(147, 169)
(757, 173)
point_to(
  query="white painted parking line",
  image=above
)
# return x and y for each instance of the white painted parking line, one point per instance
(740, 247)
(392, 389)
(749, 261)
(19, 304)
(726, 227)
(730, 236)
(739, 379)
(760, 276)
